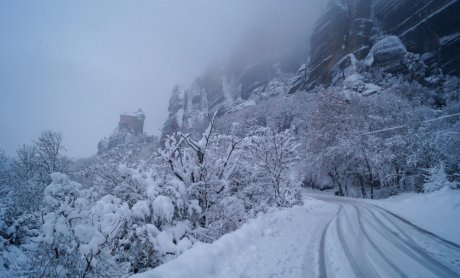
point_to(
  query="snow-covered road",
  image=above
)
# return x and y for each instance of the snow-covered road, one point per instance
(364, 240)
(327, 237)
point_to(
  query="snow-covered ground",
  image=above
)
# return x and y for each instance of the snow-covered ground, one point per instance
(336, 237)
(438, 212)
(272, 245)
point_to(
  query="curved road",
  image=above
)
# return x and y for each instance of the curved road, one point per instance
(364, 240)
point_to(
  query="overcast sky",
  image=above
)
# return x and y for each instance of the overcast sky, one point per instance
(74, 66)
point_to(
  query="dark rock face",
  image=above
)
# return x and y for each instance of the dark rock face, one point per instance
(388, 54)
(344, 28)
(415, 38)
(130, 130)
(430, 28)
(132, 122)
(426, 27)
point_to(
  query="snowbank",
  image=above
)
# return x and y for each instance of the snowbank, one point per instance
(138, 114)
(438, 212)
(258, 249)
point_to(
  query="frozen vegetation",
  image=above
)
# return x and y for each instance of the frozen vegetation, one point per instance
(289, 242)
(223, 197)
(234, 186)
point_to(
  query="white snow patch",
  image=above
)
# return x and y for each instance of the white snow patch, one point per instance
(438, 212)
(165, 243)
(141, 209)
(390, 44)
(258, 249)
(371, 88)
(449, 39)
(163, 208)
(138, 114)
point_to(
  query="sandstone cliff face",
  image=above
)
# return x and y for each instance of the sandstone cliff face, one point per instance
(416, 38)
(430, 28)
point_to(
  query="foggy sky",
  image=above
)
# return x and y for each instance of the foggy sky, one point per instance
(74, 66)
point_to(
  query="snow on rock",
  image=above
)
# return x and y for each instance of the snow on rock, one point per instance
(449, 39)
(257, 249)
(344, 68)
(387, 53)
(138, 114)
(371, 88)
(243, 105)
(355, 82)
(437, 212)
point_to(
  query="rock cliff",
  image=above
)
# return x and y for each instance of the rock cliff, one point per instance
(130, 130)
(386, 30)
(414, 38)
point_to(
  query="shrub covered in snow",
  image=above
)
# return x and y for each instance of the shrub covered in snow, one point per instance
(437, 179)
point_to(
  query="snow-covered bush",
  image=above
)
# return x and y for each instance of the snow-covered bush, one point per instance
(436, 179)
(76, 232)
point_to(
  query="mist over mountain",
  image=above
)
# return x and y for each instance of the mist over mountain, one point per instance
(87, 62)
(302, 139)
(348, 37)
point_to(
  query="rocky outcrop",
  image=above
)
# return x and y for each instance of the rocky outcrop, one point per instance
(130, 130)
(382, 32)
(223, 90)
(132, 122)
(388, 54)
(258, 67)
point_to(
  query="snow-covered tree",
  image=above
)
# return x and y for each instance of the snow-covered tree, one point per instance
(203, 166)
(437, 179)
(275, 153)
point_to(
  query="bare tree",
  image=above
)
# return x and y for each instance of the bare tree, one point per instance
(26, 164)
(50, 150)
(275, 153)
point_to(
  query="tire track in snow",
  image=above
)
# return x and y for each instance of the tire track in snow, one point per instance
(411, 250)
(376, 248)
(426, 241)
(392, 244)
(451, 244)
(360, 269)
(322, 247)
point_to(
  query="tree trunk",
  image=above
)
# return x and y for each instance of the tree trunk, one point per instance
(363, 190)
(372, 190)
(346, 188)
(340, 188)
